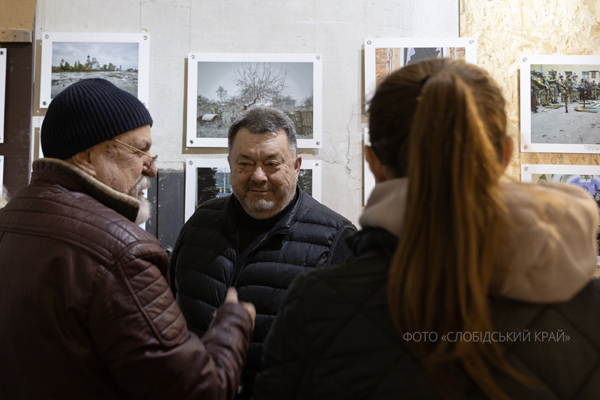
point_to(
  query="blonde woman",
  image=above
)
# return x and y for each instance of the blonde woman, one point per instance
(462, 286)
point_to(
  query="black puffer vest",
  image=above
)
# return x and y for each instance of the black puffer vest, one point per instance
(205, 261)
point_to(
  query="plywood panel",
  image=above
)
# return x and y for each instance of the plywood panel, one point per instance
(17, 14)
(507, 29)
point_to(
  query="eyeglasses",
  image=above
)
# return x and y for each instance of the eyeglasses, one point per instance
(152, 158)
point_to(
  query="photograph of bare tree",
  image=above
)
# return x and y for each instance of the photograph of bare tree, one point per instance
(208, 178)
(122, 59)
(227, 85)
(225, 90)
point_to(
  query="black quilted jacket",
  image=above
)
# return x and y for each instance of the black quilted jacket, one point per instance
(334, 339)
(206, 262)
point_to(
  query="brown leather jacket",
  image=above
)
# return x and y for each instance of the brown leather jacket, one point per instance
(85, 306)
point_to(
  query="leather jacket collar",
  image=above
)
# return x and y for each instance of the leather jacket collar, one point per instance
(72, 178)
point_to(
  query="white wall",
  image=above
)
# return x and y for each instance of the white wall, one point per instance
(334, 28)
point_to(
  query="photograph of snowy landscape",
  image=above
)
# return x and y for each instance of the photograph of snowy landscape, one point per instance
(115, 62)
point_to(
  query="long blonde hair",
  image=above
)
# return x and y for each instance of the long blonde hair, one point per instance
(451, 119)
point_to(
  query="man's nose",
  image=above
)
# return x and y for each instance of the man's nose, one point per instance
(258, 175)
(149, 170)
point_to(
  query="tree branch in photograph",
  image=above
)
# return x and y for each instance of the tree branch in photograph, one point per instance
(260, 83)
(222, 94)
(307, 102)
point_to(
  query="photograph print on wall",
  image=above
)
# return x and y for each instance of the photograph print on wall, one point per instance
(223, 86)
(586, 177)
(560, 98)
(209, 178)
(385, 55)
(122, 59)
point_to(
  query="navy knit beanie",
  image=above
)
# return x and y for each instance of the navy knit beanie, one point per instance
(89, 112)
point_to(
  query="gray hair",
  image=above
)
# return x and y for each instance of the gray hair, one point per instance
(263, 120)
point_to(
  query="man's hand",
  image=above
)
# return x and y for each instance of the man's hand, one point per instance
(232, 297)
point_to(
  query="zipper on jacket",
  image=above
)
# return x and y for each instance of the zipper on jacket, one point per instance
(242, 261)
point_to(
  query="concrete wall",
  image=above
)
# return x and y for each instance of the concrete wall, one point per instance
(334, 28)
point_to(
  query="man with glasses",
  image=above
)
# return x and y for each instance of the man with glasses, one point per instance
(85, 305)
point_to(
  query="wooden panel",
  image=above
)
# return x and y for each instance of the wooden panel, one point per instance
(17, 14)
(16, 36)
(553, 158)
(18, 109)
(505, 30)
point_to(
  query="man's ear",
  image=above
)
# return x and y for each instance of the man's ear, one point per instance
(375, 165)
(297, 165)
(83, 161)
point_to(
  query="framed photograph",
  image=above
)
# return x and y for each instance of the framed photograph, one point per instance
(121, 58)
(207, 178)
(584, 176)
(223, 86)
(559, 104)
(384, 55)
(2, 91)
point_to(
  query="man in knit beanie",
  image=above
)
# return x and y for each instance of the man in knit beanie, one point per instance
(105, 132)
(86, 306)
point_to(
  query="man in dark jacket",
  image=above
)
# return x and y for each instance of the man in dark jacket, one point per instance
(85, 305)
(258, 239)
